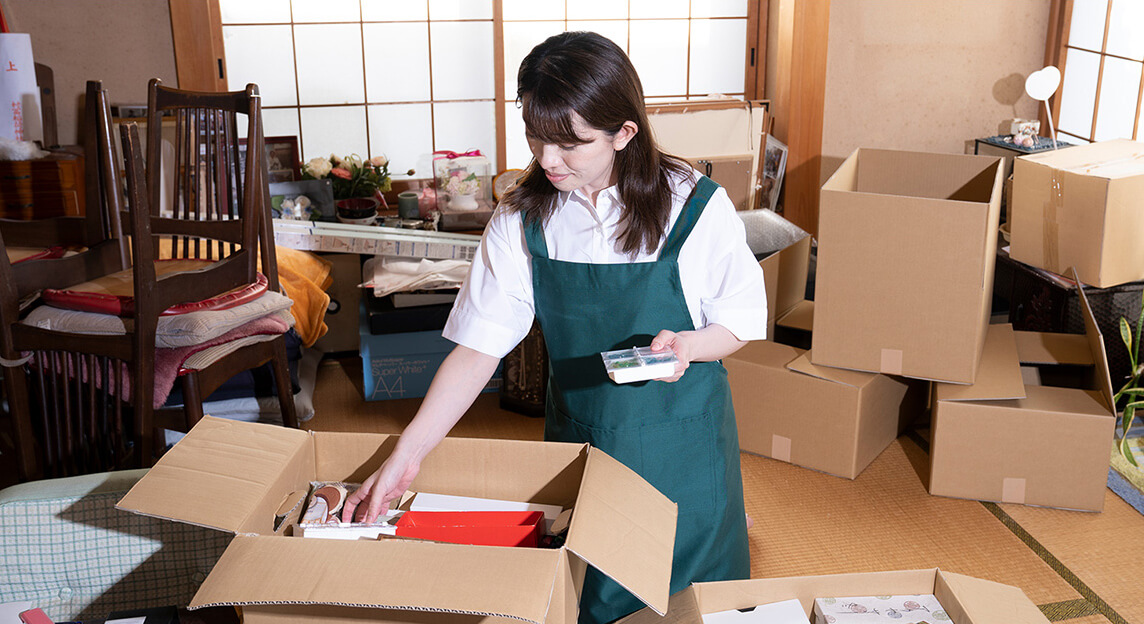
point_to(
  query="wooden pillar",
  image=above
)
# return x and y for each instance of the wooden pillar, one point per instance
(196, 29)
(800, 77)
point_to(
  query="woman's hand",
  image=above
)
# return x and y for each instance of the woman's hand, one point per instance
(678, 343)
(385, 485)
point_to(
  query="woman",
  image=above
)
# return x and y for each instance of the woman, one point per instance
(610, 244)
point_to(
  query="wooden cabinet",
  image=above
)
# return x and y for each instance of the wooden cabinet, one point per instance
(45, 187)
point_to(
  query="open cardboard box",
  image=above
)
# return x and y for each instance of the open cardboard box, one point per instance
(1080, 208)
(828, 419)
(906, 247)
(966, 600)
(785, 274)
(233, 476)
(1009, 439)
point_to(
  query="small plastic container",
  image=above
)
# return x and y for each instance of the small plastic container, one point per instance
(639, 364)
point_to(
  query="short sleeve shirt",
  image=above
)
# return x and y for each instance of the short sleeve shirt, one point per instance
(721, 280)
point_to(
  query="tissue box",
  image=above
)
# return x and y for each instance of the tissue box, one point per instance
(878, 609)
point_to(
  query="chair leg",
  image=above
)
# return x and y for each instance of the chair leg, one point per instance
(19, 407)
(192, 399)
(282, 383)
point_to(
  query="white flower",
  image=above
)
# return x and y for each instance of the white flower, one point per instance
(319, 167)
(379, 161)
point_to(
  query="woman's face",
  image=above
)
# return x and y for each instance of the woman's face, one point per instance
(585, 166)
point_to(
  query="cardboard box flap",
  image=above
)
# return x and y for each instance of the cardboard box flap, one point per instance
(233, 462)
(801, 316)
(985, 602)
(998, 373)
(481, 580)
(1103, 379)
(682, 608)
(625, 528)
(1106, 159)
(857, 379)
(1052, 348)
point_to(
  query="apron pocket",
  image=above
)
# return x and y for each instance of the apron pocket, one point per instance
(679, 460)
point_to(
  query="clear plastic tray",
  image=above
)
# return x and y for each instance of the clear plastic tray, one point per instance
(639, 364)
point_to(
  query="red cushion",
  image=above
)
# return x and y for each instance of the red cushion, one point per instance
(114, 293)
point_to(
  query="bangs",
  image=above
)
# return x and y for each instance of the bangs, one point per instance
(549, 121)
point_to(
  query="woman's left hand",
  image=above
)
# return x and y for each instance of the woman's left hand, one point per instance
(677, 342)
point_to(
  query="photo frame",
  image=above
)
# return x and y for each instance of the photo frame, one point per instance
(774, 166)
(320, 199)
(284, 161)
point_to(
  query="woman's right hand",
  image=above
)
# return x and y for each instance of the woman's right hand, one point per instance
(385, 485)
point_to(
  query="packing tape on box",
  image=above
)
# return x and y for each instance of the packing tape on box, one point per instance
(780, 448)
(1013, 490)
(1050, 228)
(891, 362)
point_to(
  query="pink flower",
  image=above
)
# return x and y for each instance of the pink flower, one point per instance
(341, 173)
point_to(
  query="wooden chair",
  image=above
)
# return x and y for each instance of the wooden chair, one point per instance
(90, 420)
(101, 250)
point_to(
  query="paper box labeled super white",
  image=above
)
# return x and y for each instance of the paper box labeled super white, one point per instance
(235, 476)
(906, 247)
(1011, 440)
(966, 600)
(1081, 207)
(828, 419)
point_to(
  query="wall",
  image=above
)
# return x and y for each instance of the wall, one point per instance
(927, 75)
(124, 43)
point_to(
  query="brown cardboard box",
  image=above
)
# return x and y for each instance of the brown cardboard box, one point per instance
(1011, 440)
(1081, 207)
(828, 419)
(966, 600)
(906, 247)
(784, 275)
(233, 476)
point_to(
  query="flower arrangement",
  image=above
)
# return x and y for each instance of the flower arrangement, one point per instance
(351, 176)
(457, 185)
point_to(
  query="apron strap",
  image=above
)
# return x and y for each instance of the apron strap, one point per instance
(534, 238)
(702, 192)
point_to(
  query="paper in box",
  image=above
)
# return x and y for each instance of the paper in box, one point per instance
(833, 420)
(1081, 208)
(966, 600)
(1009, 440)
(907, 245)
(233, 476)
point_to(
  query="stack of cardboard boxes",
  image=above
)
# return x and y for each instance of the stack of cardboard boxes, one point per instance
(901, 323)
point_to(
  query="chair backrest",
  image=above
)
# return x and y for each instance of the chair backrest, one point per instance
(46, 81)
(220, 181)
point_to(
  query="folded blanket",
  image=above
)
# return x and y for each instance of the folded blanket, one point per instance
(305, 278)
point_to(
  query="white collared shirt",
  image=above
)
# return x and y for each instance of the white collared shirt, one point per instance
(722, 282)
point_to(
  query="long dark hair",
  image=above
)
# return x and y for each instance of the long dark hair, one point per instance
(586, 73)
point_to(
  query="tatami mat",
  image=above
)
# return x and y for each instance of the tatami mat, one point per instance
(1079, 567)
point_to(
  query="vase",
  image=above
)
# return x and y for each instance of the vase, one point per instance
(357, 210)
(463, 202)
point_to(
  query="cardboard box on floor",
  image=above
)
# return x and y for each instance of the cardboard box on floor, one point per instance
(233, 476)
(785, 274)
(833, 420)
(1080, 207)
(906, 247)
(966, 600)
(1011, 440)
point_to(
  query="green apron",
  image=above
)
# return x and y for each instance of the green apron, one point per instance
(680, 437)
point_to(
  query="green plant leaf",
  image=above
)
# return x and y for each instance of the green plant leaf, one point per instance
(1126, 452)
(1126, 334)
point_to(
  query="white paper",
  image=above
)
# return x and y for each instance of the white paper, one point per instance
(21, 117)
(911, 609)
(785, 612)
(10, 611)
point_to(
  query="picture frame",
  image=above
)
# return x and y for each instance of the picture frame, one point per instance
(774, 167)
(320, 194)
(284, 161)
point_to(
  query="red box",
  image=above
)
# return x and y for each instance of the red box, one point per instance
(483, 528)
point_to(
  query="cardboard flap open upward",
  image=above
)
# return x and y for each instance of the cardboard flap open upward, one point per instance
(1103, 379)
(484, 580)
(1051, 348)
(857, 379)
(220, 475)
(682, 608)
(625, 528)
(998, 373)
(985, 602)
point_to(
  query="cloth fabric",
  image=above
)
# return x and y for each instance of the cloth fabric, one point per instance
(721, 280)
(305, 277)
(390, 274)
(180, 330)
(681, 437)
